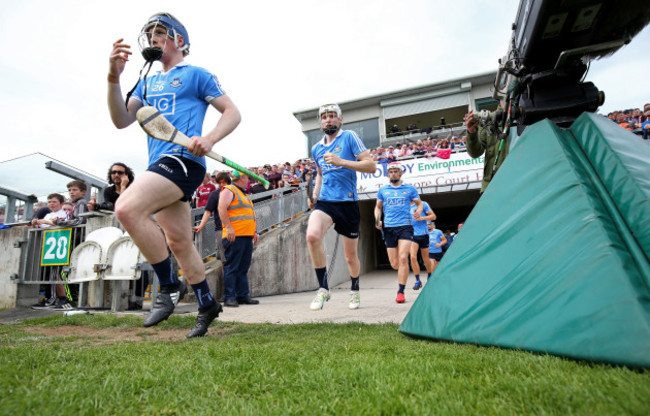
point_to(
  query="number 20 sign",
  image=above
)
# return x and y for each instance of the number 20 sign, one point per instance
(56, 247)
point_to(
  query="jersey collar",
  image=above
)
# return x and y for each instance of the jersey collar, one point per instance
(324, 139)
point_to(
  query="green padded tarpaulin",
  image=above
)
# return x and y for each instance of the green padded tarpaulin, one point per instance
(554, 257)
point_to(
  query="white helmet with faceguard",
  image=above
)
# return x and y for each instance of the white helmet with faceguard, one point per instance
(329, 108)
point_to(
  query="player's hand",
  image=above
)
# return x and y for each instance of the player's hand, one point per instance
(197, 229)
(332, 159)
(230, 233)
(378, 224)
(200, 146)
(470, 123)
(119, 57)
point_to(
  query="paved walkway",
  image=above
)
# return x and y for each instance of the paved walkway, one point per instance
(378, 291)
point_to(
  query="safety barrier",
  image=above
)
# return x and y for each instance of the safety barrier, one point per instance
(91, 259)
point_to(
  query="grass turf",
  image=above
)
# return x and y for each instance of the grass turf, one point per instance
(85, 366)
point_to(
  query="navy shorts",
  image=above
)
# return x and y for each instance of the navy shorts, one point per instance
(393, 234)
(422, 240)
(436, 256)
(345, 216)
(186, 174)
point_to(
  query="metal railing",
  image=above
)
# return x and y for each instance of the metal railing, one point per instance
(33, 273)
(283, 205)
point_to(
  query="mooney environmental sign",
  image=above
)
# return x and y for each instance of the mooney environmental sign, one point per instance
(423, 172)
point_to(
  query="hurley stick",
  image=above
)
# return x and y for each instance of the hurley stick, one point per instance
(158, 127)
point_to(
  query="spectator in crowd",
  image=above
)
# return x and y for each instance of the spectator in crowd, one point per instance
(212, 208)
(41, 210)
(404, 151)
(239, 236)
(394, 201)
(381, 155)
(457, 144)
(443, 144)
(419, 149)
(119, 178)
(394, 129)
(623, 120)
(67, 207)
(436, 241)
(77, 192)
(275, 176)
(55, 205)
(391, 155)
(645, 126)
(482, 140)
(204, 191)
(48, 298)
(412, 127)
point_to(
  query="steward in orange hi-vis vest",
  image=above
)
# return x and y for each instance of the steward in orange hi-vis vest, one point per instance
(240, 213)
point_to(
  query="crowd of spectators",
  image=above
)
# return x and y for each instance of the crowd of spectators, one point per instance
(422, 148)
(633, 119)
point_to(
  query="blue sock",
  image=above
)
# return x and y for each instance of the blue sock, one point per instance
(164, 272)
(321, 275)
(401, 288)
(355, 283)
(417, 277)
(203, 295)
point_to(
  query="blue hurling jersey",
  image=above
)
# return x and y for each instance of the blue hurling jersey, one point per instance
(339, 183)
(182, 95)
(397, 203)
(420, 227)
(435, 237)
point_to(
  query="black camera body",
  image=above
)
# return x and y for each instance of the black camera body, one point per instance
(550, 48)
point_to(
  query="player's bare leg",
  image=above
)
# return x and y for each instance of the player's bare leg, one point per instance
(319, 223)
(350, 249)
(147, 195)
(399, 260)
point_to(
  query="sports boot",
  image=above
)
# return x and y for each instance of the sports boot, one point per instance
(164, 305)
(203, 321)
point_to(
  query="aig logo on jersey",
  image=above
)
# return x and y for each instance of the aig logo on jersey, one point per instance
(163, 102)
(175, 83)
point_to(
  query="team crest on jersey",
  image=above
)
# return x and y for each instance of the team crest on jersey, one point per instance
(404, 192)
(337, 149)
(175, 83)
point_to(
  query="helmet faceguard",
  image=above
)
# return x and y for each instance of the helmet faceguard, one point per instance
(329, 108)
(174, 29)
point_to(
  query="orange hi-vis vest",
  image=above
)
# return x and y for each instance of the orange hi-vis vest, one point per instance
(241, 214)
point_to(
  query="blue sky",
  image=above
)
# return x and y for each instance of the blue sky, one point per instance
(272, 58)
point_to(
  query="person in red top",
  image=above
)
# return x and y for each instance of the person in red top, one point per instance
(204, 191)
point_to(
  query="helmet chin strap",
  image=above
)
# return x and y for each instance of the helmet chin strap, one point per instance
(150, 54)
(331, 130)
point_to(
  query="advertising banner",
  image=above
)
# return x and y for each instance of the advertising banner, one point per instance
(426, 171)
